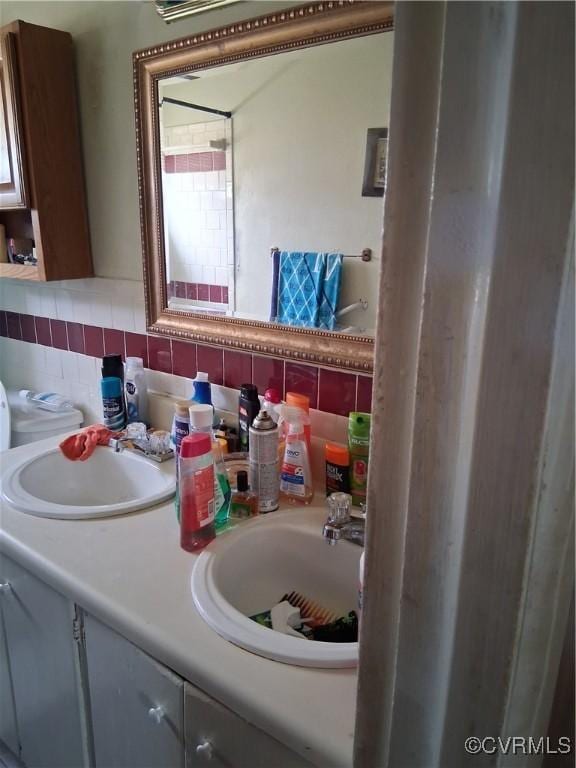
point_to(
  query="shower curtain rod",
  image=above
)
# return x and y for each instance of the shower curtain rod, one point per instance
(179, 103)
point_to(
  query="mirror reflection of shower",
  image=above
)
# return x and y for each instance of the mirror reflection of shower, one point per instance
(198, 206)
(272, 154)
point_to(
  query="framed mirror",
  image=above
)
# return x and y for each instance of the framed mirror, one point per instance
(261, 165)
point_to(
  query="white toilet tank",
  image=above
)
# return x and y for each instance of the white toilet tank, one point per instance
(22, 422)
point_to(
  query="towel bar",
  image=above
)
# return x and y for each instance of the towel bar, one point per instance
(366, 254)
(361, 304)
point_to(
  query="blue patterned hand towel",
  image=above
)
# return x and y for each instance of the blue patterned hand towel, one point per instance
(330, 291)
(300, 285)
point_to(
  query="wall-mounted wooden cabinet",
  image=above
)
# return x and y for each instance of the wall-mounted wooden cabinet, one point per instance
(42, 195)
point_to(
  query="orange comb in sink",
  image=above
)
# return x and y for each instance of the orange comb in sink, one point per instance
(312, 613)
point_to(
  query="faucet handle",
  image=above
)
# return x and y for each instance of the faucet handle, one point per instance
(339, 507)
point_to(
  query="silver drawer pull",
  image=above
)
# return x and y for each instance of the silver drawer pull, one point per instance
(5, 587)
(205, 749)
(157, 714)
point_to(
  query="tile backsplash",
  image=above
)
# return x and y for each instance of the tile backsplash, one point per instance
(53, 335)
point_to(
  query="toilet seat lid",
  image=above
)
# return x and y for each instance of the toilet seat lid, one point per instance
(5, 424)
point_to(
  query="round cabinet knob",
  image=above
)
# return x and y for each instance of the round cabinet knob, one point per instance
(156, 714)
(205, 749)
(5, 587)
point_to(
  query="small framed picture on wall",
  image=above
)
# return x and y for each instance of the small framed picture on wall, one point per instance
(375, 162)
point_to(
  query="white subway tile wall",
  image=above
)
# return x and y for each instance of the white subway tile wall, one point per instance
(197, 190)
(96, 301)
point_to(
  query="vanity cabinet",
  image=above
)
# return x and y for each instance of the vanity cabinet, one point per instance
(42, 196)
(146, 716)
(43, 675)
(76, 694)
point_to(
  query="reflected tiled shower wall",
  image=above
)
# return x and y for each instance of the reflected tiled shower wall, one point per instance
(197, 192)
(52, 336)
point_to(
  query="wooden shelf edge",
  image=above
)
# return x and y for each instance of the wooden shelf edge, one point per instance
(20, 271)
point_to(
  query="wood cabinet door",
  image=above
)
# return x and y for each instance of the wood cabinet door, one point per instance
(13, 191)
(218, 738)
(136, 703)
(38, 623)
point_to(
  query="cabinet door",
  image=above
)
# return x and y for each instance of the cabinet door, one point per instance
(41, 648)
(12, 171)
(136, 703)
(8, 732)
(218, 738)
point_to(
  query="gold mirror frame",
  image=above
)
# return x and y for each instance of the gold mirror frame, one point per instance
(299, 27)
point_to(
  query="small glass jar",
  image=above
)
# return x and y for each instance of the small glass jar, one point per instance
(244, 503)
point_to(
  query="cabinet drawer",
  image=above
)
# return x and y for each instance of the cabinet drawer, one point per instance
(218, 738)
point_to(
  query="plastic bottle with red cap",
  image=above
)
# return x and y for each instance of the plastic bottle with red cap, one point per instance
(196, 491)
(271, 400)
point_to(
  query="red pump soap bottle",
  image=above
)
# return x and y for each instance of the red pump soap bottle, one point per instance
(196, 492)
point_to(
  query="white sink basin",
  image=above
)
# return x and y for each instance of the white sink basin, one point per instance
(107, 484)
(249, 569)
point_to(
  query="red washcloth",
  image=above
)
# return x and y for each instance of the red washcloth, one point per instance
(81, 446)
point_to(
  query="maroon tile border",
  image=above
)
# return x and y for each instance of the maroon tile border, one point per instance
(329, 390)
(137, 346)
(94, 340)
(159, 354)
(195, 162)
(211, 360)
(237, 368)
(336, 391)
(364, 394)
(76, 337)
(59, 334)
(217, 294)
(114, 342)
(28, 327)
(302, 379)
(184, 359)
(268, 373)
(14, 331)
(43, 332)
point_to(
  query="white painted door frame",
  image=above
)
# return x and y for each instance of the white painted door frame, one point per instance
(470, 560)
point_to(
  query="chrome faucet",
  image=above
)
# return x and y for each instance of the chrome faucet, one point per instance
(340, 524)
(153, 445)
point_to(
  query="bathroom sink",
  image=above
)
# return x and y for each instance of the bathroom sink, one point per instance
(249, 569)
(107, 484)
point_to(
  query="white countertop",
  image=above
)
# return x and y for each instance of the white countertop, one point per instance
(130, 572)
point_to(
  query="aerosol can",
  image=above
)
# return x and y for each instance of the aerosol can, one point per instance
(264, 475)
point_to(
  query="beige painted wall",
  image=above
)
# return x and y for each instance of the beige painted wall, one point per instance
(105, 35)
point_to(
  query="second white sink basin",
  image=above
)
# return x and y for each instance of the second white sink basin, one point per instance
(107, 484)
(249, 569)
